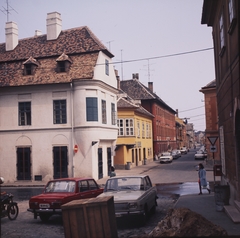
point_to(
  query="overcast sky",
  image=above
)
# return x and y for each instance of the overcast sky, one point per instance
(154, 36)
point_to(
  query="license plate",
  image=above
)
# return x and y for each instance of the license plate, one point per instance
(44, 205)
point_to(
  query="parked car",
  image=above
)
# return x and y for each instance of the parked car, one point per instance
(199, 155)
(166, 157)
(60, 191)
(176, 154)
(134, 196)
(183, 150)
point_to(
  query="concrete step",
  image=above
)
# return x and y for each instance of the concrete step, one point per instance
(237, 205)
(233, 213)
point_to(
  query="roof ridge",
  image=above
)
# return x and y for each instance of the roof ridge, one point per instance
(145, 88)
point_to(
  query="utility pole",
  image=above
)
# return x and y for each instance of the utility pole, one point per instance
(109, 44)
(121, 65)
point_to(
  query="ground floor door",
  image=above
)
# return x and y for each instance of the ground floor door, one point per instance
(109, 160)
(100, 164)
(23, 164)
(60, 162)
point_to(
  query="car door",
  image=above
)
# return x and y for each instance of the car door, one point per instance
(83, 191)
(94, 189)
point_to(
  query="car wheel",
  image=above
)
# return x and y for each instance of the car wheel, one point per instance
(144, 216)
(44, 217)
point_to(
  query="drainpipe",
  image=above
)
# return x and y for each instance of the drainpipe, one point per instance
(71, 143)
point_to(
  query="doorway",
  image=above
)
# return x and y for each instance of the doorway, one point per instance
(23, 164)
(60, 162)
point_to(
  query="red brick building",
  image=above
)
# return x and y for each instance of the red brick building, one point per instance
(223, 17)
(211, 114)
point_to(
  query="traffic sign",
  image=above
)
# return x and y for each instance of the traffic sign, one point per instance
(212, 139)
(213, 148)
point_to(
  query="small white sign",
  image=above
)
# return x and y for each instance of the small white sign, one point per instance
(213, 148)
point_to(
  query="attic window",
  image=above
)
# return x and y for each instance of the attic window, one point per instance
(63, 63)
(61, 66)
(28, 68)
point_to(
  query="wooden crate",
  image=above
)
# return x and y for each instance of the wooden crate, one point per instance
(90, 218)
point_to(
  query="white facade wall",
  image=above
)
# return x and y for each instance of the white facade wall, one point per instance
(42, 135)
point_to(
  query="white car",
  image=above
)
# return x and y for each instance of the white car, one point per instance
(199, 155)
(183, 150)
(134, 196)
(166, 157)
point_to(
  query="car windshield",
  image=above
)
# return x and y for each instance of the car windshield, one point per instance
(60, 187)
(123, 184)
(165, 154)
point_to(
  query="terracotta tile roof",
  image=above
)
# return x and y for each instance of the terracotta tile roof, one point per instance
(72, 41)
(80, 45)
(136, 90)
(127, 103)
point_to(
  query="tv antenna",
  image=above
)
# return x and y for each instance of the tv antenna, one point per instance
(7, 10)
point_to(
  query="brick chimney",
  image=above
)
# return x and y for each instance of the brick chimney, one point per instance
(150, 86)
(11, 33)
(54, 25)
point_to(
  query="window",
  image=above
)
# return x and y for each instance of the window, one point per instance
(24, 113)
(107, 67)
(231, 10)
(59, 112)
(143, 130)
(113, 115)
(104, 112)
(232, 15)
(28, 69)
(120, 127)
(61, 66)
(92, 109)
(138, 129)
(129, 127)
(221, 32)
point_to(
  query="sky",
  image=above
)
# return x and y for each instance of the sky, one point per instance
(161, 40)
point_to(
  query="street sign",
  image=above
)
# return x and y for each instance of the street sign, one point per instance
(213, 148)
(212, 139)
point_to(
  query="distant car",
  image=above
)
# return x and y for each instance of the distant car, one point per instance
(166, 157)
(199, 155)
(134, 196)
(60, 191)
(183, 150)
(176, 154)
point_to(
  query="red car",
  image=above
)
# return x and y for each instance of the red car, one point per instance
(60, 191)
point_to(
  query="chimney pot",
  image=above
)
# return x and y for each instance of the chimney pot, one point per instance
(38, 33)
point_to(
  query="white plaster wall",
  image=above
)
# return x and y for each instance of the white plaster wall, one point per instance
(42, 135)
(99, 70)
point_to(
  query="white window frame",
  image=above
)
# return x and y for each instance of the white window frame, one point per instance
(129, 127)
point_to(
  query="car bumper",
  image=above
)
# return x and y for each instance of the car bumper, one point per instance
(128, 213)
(51, 211)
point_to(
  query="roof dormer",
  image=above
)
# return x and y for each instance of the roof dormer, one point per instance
(63, 63)
(30, 66)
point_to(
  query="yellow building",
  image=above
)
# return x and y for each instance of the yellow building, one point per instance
(134, 144)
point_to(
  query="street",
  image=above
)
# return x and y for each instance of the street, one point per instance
(172, 180)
